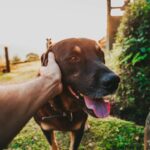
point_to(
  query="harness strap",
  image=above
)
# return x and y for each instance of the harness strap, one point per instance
(46, 118)
(57, 114)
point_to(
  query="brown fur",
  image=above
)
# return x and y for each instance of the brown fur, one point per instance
(65, 112)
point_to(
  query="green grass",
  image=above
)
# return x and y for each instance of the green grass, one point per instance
(104, 134)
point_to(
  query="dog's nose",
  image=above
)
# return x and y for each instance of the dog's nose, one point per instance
(110, 81)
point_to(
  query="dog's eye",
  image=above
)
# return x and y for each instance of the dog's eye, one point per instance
(74, 59)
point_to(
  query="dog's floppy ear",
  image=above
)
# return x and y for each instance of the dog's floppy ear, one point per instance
(44, 57)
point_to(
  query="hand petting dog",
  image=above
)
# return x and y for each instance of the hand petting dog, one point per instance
(19, 102)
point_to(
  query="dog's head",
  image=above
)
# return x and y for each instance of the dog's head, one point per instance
(84, 74)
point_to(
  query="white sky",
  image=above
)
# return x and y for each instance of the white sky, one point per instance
(25, 24)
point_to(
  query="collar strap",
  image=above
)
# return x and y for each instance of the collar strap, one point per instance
(64, 114)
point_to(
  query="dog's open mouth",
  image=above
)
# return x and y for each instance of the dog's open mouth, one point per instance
(97, 107)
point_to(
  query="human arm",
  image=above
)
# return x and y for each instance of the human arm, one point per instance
(19, 102)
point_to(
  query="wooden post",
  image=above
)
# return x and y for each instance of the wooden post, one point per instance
(113, 22)
(108, 24)
(7, 59)
(147, 133)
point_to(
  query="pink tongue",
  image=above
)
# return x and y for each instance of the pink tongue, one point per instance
(100, 108)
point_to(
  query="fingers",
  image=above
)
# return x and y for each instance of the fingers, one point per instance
(42, 71)
(52, 69)
(52, 73)
(51, 58)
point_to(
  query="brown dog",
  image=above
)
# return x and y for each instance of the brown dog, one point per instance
(85, 81)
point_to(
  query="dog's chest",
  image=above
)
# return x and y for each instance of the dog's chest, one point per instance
(61, 114)
(63, 122)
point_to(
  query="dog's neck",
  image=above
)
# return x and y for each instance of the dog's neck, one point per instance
(65, 102)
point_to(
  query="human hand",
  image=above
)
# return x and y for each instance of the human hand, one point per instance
(52, 73)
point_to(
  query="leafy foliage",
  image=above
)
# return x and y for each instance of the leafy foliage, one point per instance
(115, 134)
(107, 134)
(133, 42)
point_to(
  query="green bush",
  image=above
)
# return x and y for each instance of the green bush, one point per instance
(115, 134)
(104, 134)
(133, 43)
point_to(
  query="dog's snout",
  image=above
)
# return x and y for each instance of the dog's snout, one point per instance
(110, 81)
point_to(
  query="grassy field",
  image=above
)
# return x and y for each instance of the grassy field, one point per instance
(106, 134)
(20, 72)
